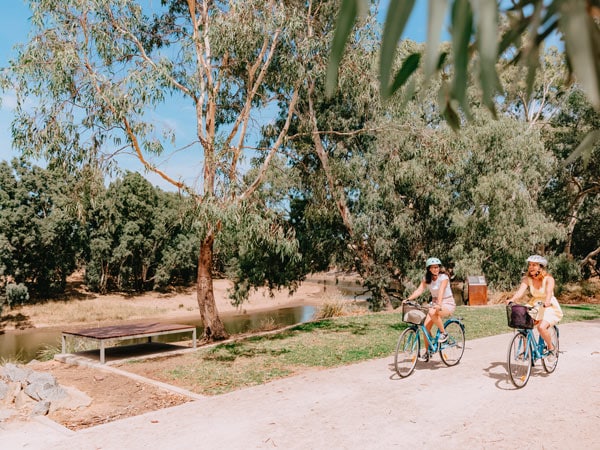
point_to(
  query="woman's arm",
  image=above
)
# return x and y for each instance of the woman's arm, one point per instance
(418, 291)
(517, 295)
(549, 291)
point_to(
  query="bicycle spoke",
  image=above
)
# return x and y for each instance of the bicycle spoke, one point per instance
(549, 361)
(452, 350)
(519, 361)
(407, 351)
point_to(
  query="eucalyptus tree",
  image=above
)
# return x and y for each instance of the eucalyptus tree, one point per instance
(40, 236)
(484, 31)
(325, 135)
(93, 71)
(573, 195)
(544, 99)
(136, 238)
(498, 179)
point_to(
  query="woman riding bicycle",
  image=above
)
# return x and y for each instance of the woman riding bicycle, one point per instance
(541, 288)
(438, 282)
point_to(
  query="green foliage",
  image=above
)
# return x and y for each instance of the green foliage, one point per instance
(564, 270)
(572, 197)
(137, 238)
(40, 237)
(474, 27)
(16, 294)
(257, 248)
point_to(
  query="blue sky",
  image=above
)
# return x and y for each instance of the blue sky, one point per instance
(13, 28)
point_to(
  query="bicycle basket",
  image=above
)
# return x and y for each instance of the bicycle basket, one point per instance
(413, 314)
(518, 316)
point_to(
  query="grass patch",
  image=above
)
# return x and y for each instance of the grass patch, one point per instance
(311, 346)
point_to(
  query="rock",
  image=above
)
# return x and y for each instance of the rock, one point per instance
(23, 401)
(73, 400)
(14, 373)
(3, 390)
(14, 388)
(25, 391)
(41, 377)
(40, 408)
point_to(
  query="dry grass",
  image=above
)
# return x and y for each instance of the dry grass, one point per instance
(332, 306)
(53, 313)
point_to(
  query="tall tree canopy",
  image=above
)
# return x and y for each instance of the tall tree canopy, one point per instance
(93, 71)
(475, 25)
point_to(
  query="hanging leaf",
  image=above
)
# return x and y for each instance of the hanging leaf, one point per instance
(584, 150)
(410, 64)
(462, 27)
(395, 21)
(435, 22)
(487, 31)
(582, 39)
(344, 24)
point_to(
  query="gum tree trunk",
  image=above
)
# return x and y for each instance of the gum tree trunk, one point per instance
(214, 330)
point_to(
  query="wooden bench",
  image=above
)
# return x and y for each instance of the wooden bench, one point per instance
(129, 331)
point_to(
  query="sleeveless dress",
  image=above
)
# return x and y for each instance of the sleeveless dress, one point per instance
(553, 313)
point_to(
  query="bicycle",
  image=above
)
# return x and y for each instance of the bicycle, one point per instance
(408, 347)
(525, 348)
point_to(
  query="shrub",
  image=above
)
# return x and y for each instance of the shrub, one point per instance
(329, 309)
(589, 289)
(564, 270)
(16, 294)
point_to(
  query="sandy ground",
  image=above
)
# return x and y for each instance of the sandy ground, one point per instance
(366, 406)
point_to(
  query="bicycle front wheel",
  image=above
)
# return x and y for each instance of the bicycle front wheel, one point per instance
(452, 350)
(519, 361)
(407, 351)
(550, 361)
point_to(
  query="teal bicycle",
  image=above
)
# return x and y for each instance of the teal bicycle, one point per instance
(409, 344)
(525, 348)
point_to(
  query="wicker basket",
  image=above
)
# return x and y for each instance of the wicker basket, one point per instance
(414, 314)
(518, 316)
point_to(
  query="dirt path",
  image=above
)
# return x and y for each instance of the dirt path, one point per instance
(365, 405)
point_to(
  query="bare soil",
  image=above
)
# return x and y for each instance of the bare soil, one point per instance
(113, 396)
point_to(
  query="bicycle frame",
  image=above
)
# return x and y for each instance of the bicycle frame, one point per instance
(536, 348)
(433, 345)
(409, 345)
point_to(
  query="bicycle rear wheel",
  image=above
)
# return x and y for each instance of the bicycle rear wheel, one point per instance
(407, 351)
(452, 350)
(519, 361)
(550, 361)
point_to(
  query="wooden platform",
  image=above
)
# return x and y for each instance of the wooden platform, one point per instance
(104, 335)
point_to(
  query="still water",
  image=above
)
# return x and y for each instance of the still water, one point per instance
(25, 345)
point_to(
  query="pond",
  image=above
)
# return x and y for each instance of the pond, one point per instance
(24, 345)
